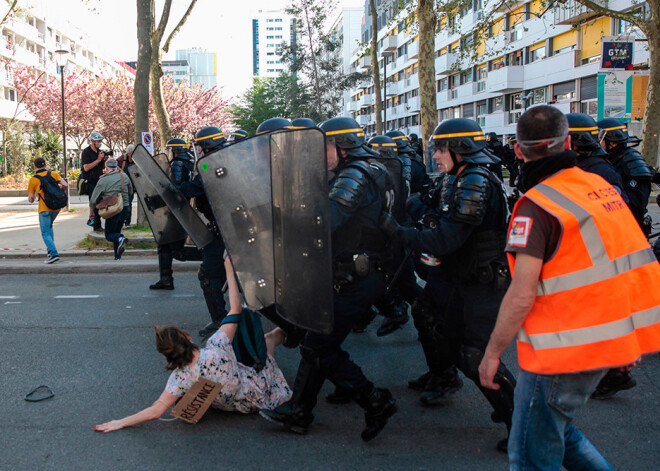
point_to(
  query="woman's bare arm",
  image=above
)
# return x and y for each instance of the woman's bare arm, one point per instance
(153, 412)
(235, 305)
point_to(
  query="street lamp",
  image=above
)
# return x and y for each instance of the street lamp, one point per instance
(61, 60)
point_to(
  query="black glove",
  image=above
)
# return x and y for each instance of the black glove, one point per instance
(388, 224)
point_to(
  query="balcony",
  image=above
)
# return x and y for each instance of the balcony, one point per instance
(505, 79)
(410, 83)
(24, 29)
(363, 119)
(445, 63)
(413, 105)
(363, 84)
(352, 106)
(365, 62)
(365, 100)
(389, 44)
(550, 70)
(479, 87)
(392, 88)
(413, 50)
(571, 12)
(26, 57)
(498, 122)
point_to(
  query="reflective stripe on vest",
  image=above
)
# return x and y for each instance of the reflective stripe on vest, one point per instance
(598, 297)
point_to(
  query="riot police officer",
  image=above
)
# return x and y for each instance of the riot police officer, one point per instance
(212, 276)
(494, 145)
(273, 124)
(239, 135)
(469, 236)
(416, 144)
(182, 164)
(357, 199)
(630, 165)
(300, 123)
(591, 157)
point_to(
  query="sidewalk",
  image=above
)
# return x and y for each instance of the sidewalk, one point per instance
(75, 264)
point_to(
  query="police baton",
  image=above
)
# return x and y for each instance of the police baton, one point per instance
(398, 271)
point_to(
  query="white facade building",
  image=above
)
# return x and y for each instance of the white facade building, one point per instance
(346, 31)
(527, 60)
(178, 69)
(270, 29)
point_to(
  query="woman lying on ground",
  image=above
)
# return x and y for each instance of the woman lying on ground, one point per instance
(243, 388)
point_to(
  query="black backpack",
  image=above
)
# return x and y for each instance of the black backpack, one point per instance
(54, 196)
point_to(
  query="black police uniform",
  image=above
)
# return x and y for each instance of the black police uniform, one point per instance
(212, 275)
(181, 166)
(497, 149)
(356, 203)
(457, 312)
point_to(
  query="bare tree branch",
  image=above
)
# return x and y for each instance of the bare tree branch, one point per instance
(629, 17)
(12, 9)
(166, 46)
(158, 33)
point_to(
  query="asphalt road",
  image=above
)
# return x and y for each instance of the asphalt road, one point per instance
(98, 356)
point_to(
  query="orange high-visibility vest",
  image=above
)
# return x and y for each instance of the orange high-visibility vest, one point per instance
(598, 298)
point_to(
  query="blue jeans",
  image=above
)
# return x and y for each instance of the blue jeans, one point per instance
(46, 219)
(542, 434)
(113, 227)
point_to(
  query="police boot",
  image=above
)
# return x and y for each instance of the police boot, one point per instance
(378, 406)
(296, 414)
(165, 267)
(613, 382)
(419, 384)
(395, 311)
(440, 386)
(367, 318)
(163, 283)
(215, 302)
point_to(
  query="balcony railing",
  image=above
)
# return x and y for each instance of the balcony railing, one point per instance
(445, 63)
(571, 12)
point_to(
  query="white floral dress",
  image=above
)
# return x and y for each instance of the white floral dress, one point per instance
(243, 389)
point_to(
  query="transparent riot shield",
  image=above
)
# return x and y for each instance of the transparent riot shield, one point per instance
(237, 184)
(395, 168)
(301, 229)
(164, 225)
(178, 204)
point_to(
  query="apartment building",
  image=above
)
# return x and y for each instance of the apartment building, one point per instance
(345, 31)
(531, 56)
(179, 70)
(270, 29)
(202, 65)
(31, 40)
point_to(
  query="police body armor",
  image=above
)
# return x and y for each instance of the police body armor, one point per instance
(477, 197)
(348, 189)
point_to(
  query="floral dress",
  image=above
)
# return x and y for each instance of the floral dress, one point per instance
(243, 389)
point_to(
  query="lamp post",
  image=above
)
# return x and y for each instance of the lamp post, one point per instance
(60, 58)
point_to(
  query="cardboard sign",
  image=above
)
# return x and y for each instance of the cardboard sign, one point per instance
(192, 406)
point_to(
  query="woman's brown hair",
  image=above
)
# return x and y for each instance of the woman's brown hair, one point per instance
(175, 344)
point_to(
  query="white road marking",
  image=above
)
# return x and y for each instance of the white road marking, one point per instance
(77, 296)
(13, 302)
(8, 297)
(183, 295)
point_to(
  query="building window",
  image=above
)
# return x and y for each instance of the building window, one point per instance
(537, 54)
(564, 91)
(539, 96)
(515, 102)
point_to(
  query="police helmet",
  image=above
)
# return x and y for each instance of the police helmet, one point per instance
(96, 136)
(492, 136)
(402, 142)
(301, 123)
(273, 124)
(464, 137)
(614, 130)
(583, 131)
(384, 145)
(177, 145)
(347, 134)
(239, 135)
(413, 137)
(210, 138)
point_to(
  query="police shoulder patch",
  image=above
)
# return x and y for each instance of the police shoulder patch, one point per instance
(520, 229)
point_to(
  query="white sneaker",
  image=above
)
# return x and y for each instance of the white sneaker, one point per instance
(122, 246)
(52, 259)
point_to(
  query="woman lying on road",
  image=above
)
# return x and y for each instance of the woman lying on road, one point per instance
(243, 389)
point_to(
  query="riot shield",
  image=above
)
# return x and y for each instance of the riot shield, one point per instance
(170, 195)
(164, 225)
(394, 167)
(301, 229)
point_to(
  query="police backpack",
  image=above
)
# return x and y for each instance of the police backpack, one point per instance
(54, 197)
(249, 343)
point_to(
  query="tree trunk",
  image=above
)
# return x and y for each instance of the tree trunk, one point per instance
(375, 70)
(145, 26)
(651, 122)
(162, 115)
(426, 18)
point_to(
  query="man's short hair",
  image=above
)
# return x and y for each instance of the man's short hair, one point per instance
(541, 131)
(39, 162)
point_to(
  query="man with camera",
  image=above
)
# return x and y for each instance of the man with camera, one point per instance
(93, 162)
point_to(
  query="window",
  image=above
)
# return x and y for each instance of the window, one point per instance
(270, 53)
(590, 108)
(537, 54)
(270, 37)
(278, 37)
(564, 91)
(466, 77)
(482, 108)
(10, 94)
(515, 102)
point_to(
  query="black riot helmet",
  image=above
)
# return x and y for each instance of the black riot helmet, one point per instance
(402, 142)
(583, 131)
(273, 124)
(210, 138)
(464, 137)
(302, 123)
(614, 130)
(239, 135)
(413, 137)
(178, 146)
(384, 145)
(346, 134)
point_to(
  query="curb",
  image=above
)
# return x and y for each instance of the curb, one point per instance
(100, 237)
(33, 254)
(86, 266)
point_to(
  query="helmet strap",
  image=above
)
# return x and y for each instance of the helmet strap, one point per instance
(457, 165)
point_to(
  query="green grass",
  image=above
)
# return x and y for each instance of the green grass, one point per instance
(72, 210)
(138, 229)
(92, 244)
